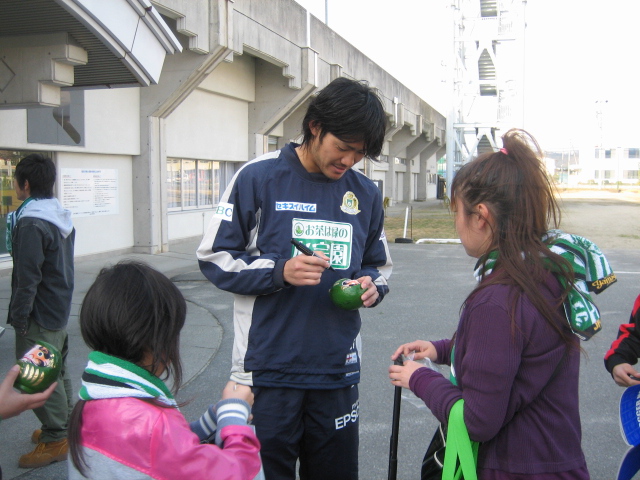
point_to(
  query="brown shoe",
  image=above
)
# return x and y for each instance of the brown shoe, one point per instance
(44, 454)
(35, 436)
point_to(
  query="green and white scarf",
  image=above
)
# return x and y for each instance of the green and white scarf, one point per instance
(592, 274)
(12, 219)
(111, 377)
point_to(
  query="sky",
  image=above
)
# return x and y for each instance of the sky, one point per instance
(581, 56)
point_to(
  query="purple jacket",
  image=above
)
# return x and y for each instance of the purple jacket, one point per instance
(519, 386)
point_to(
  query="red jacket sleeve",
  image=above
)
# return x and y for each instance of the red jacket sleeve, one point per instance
(625, 348)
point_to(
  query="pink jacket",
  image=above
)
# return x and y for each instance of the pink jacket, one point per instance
(122, 436)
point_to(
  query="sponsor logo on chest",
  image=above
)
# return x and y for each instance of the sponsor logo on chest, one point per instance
(296, 207)
(334, 239)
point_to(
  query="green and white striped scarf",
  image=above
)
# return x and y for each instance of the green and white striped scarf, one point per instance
(12, 220)
(111, 377)
(592, 274)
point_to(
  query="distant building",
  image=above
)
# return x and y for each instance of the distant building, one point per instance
(563, 165)
(608, 166)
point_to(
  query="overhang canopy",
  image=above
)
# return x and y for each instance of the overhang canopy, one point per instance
(46, 45)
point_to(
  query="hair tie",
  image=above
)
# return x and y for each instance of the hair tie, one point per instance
(504, 150)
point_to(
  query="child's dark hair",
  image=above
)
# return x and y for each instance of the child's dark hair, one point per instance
(349, 110)
(515, 187)
(40, 172)
(131, 312)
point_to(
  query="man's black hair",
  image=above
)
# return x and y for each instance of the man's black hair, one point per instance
(351, 111)
(40, 172)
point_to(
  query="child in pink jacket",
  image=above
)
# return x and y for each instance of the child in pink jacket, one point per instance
(127, 424)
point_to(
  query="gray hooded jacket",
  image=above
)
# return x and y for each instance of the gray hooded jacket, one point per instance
(42, 278)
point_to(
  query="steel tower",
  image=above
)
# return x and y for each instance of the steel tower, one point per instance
(487, 76)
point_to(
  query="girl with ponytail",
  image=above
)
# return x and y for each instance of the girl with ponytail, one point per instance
(515, 356)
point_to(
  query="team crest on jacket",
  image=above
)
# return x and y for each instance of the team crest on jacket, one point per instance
(350, 204)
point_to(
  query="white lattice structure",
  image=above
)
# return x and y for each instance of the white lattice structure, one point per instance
(487, 75)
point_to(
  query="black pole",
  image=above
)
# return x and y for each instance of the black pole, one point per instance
(395, 430)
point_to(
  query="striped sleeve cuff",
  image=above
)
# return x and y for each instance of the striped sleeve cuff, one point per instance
(231, 411)
(205, 427)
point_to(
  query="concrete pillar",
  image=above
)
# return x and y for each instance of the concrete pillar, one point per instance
(147, 211)
(425, 155)
(180, 76)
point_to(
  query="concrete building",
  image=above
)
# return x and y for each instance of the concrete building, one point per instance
(609, 166)
(149, 107)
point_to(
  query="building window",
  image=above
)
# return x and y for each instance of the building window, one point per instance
(10, 203)
(607, 154)
(630, 174)
(189, 184)
(63, 125)
(174, 195)
(205, 183)
(272, 143)
(195, 184)
(634, 153)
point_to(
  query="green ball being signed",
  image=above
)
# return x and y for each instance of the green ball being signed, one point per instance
(346, 294)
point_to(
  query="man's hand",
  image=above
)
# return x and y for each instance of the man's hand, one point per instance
(305, 270)
(236, 390)
(13, 403)
(371, 295)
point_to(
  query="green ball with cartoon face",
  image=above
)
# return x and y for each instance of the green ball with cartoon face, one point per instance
(39, 368)
(346, 293)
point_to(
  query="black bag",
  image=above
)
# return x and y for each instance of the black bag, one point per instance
(434, 458)
(461, 453)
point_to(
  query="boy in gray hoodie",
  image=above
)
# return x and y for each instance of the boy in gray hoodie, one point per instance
(40, 237)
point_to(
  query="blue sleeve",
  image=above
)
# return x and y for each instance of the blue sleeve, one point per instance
(205, 427)
(376, 261)
(228, 255)
(231, 411)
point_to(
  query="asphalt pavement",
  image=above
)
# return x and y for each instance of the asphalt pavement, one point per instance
(428, 285)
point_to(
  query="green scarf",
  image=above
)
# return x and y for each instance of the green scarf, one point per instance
(111, 377)
(592, 274)
(12, 219)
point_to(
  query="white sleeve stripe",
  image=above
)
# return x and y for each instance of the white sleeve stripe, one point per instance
(232, 408)
(226, 262)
